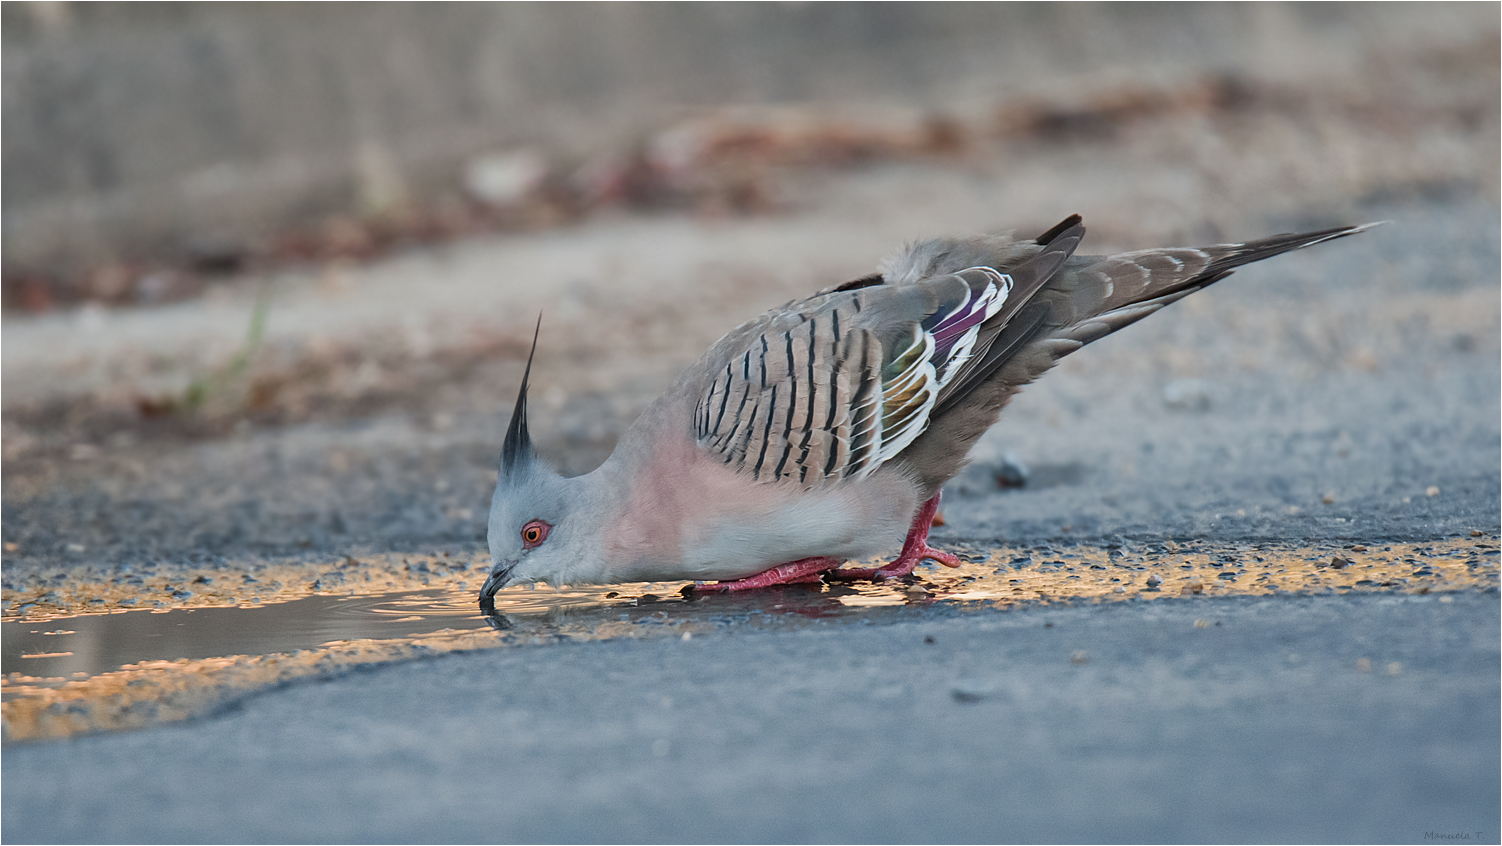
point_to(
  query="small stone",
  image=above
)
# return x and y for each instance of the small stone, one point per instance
(688, 636)
(1338, 563)
(76, 547)
(1079, 657)
(1011, 472)
(1475, 533)
(1328, 498)
(1394, 669)
(1202, 624)
(1432, 490)
(972, 690)
(1358, 548)
(1187, 395)
(1154, 580)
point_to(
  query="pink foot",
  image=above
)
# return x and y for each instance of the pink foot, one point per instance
(914, 551)
(802, 571)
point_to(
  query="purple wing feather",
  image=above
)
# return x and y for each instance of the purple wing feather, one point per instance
(954, 334)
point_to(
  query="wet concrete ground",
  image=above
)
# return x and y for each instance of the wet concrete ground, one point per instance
(1245, 719)
(117, 668)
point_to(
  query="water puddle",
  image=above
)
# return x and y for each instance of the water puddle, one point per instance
(92, 644)
(122, 667)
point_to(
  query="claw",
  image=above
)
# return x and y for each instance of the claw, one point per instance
(914, 551)
(802, 571)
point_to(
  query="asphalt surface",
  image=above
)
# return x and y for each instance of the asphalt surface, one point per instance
(1346, 394)
(1367, 719)
(1365, 371)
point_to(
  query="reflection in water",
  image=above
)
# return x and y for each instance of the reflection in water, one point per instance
(133, 668)
(98, 643)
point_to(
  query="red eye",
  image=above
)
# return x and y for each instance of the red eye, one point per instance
(534, 533)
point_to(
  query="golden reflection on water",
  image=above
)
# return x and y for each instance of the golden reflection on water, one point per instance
(148, 692)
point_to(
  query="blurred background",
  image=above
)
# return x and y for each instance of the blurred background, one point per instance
(270, 269)
(195, 139)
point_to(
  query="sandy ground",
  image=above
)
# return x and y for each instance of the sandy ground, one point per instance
(1348, 394)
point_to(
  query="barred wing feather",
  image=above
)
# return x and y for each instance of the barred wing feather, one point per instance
(837, 385)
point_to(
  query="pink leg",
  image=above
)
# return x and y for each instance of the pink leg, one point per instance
(804, 570)
(914, 551)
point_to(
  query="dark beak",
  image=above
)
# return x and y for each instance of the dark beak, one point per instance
(500, 574)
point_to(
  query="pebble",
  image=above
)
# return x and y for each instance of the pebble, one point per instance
(1154, 580)
(1187, 395)
(1011, 472)
(1432, 490)
(1079, 657)
(972, 690)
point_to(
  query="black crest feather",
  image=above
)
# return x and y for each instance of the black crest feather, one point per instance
(516, 452)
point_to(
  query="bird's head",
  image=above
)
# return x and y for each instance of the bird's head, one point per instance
(530, 531)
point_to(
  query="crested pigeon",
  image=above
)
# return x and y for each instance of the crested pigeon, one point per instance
(823, 430)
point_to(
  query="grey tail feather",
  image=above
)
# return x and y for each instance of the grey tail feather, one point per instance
(516, 451)
(1058, 229)
(1229, 257)
(1236, 255)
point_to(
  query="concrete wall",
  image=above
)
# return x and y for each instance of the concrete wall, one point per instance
(133, 127)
